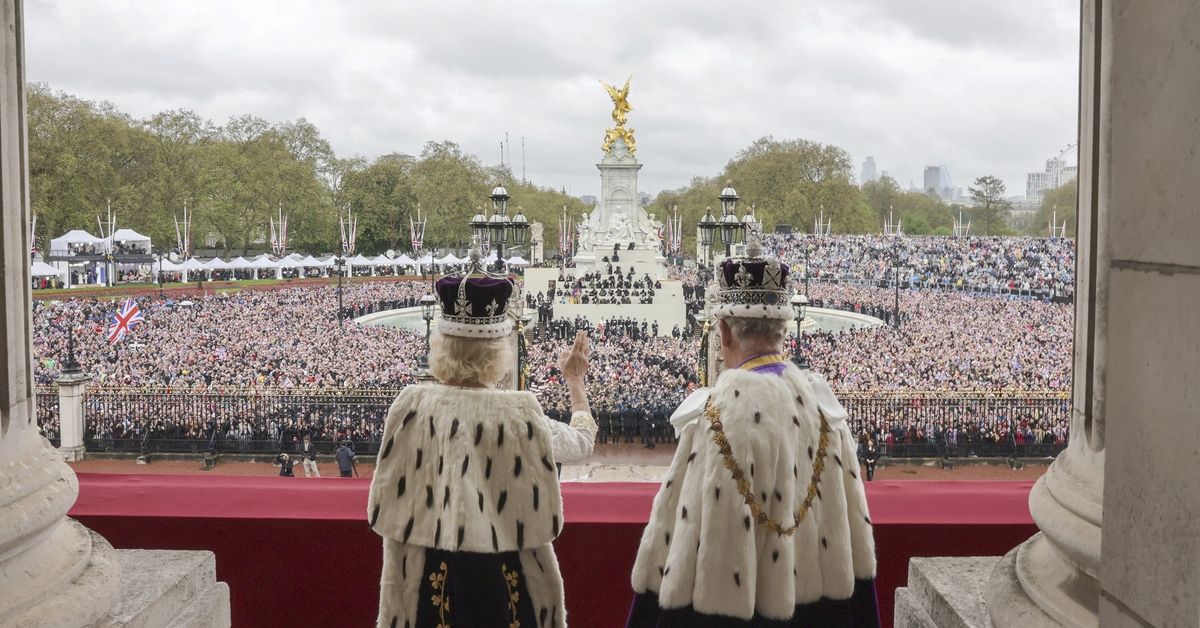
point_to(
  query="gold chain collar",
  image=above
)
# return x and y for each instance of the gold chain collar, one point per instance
(757, 510)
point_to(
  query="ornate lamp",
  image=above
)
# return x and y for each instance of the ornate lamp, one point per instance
(500, 200)
(731, 227)
(708, 224)
(799, 305)
(749, 223)
(729, 198)
(479, 225)
(519, 226)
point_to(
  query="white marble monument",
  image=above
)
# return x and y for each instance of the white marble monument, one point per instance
(618, 232)
(619, 222)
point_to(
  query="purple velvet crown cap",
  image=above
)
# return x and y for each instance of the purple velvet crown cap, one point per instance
(474, 306)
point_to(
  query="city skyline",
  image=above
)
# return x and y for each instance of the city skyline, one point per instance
(985, 88)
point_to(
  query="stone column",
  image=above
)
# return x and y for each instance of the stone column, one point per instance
(1119, 517)
(70, 414)
(53, 571)
(1137, 324)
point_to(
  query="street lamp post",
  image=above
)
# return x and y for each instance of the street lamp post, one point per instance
(499, 228)
(708, 226)
(159, 254)
(428, 308)
(732, 229)
(71, 365)
(341, 265)
(896, 279)
(807, 248)
(523, 320)
(799, 304)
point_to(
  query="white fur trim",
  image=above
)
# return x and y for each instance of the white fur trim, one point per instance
(466, 469)
(472, 330)
(742, 310)
(709, 557)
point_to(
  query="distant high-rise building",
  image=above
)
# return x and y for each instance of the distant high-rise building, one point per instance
(645, 198)
(588, 199)
(937, 183)
(868, 171)
(1057, 173)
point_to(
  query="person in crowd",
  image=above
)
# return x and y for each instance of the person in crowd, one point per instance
(284, 462)
(734, 538)
(345, 459)
(870, 458)
(465, 492)
(308, 458)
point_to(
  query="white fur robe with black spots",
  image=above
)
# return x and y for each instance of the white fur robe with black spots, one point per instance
(701, 547)
(472, 470)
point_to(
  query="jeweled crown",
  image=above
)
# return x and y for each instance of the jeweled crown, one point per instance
(752, 286)
(474, 302)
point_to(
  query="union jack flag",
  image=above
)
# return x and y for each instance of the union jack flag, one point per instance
(124, 321)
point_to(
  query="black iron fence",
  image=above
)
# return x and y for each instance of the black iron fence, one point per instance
(262, 421)
(244, 420)
(913, 418)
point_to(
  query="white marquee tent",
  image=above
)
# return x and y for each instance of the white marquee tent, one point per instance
(131, 236)
(42, 269)
(60, 245)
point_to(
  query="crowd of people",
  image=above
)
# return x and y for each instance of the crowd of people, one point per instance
(1038, 267)
(289, 340)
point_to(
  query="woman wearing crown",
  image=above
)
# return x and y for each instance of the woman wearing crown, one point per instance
(762, 519)
(465, 492)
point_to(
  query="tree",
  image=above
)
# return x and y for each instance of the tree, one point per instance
(882, 195)
(1061, 204)
(788, 181)
(989, 201)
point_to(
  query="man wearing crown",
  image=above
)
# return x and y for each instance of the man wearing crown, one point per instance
(465, 492)
(762, 519)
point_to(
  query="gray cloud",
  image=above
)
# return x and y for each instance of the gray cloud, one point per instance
(984, 87)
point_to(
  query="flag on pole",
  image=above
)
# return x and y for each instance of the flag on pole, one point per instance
(124, 321)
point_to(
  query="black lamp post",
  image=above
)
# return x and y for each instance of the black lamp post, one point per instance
(708, 226)
(428, 308)
(340, 261)
(159, 254)
(498, 224)
(799, 304)
(71, 365)
(499, 229)
(519, 226)
(896, 278)
(732, 229)
(807, 247)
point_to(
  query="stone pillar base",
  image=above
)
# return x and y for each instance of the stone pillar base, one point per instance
(167, 588)
(170, 588)
(945, 592)
(72, 454)
(966, 593)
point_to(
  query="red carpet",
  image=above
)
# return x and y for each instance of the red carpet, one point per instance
(299, 551)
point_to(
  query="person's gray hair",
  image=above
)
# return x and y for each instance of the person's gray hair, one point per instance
(470, 361)
(757, 332)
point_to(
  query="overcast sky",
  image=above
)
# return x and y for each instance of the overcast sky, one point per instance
(985, 87)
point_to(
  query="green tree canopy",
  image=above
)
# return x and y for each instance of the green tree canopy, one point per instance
(1060, 203)
(990, 205)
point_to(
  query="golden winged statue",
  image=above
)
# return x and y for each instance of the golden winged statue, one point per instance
(620, 99)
